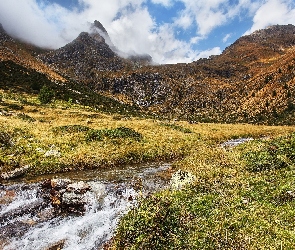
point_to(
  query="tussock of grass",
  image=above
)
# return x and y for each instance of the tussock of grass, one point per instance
(273, 154)
(176, 127)
(121, 132)
(25, 117)
(5, 139)
(71, 129)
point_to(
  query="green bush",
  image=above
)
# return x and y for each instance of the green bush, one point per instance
(25, 117)
(274, 154)
(71, 129)
(46, 95)
(121, 132)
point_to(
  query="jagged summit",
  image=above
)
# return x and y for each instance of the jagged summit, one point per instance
(84, 58)
(98, 25)
(97, 30)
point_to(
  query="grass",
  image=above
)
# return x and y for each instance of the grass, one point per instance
(229, 207)
(86, 138)
(236, 202)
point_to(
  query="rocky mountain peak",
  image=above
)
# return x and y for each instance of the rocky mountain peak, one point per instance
(98, 32)
(3, 35)
(90, 39)
(98, 25)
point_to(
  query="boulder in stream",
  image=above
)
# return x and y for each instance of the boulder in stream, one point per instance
(67, 196)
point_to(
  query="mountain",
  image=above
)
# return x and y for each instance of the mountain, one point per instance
(251, 81)
(84, 58)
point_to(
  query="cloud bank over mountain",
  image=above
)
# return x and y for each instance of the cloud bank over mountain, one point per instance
(170, 31)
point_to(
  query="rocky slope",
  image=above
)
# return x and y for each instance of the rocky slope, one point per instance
(251, 81)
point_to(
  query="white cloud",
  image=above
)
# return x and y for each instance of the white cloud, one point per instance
(210, 14)
(26, 20)
(210, 52)
(273, 12)
(131, 26)
(128, 22)
(166, 3)
(226, 37)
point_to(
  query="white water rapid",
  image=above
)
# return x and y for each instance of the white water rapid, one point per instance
(28, 221)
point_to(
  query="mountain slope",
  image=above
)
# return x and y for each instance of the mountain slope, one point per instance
(251, 81)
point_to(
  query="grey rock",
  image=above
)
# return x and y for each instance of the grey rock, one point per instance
(15, 173)
(181, 179)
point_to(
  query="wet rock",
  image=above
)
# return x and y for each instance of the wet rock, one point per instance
(57, 245)
(52, 152)
(59, 183)
(181, 178)
(78, 187)
(67, 196)
(27, 209)
(15, 173)
(8, 197)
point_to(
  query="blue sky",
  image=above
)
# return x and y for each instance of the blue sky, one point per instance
(171, 31)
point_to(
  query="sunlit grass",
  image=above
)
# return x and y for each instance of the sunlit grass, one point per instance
(44, 127)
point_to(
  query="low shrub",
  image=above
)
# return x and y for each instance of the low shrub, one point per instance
(46, 95)
(71, 129)
(121, 132)
(5, 139)
(273, 154)
(25, 117)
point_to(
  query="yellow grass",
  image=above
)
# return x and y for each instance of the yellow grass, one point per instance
(159, 142)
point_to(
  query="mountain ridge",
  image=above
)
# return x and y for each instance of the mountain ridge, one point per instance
(251, 81)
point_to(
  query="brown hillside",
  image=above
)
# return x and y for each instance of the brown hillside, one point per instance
(25, 55)
(251, 81)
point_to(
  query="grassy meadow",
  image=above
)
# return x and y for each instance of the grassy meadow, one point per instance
(243, 197)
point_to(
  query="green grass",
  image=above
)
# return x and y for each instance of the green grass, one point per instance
(121, 132)
(229, 207)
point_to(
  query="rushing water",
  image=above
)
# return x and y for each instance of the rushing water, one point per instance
(28, 222)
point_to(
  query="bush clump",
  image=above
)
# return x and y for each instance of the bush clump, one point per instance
(46, 95)
(274, 154)
(25, 117)
(71, 129)
(121, 132)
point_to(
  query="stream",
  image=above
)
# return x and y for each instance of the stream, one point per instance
(29, 221)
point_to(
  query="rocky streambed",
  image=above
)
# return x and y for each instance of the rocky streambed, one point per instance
(74, 210)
